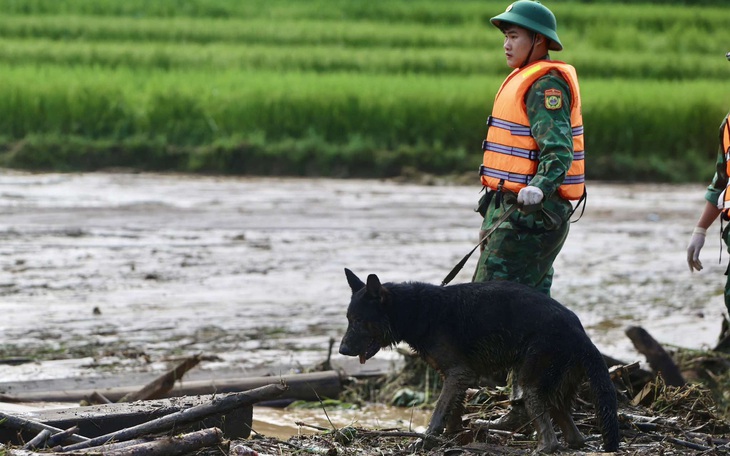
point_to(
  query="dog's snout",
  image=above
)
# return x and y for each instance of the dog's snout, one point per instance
(344, 350)
(344, 347)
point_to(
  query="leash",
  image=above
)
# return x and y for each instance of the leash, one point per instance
(491, 230)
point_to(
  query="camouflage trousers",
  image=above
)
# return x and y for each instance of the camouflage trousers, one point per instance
(727, 290)
(523, 248)
(726, 238)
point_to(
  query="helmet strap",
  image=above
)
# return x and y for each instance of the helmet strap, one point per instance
(532, 49)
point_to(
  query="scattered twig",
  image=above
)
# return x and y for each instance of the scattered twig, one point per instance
(419, 435)
(687, 444)
(312, 426)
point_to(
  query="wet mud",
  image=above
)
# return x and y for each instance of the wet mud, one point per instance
(114, 273)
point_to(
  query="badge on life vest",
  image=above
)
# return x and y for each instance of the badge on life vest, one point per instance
(553, 99)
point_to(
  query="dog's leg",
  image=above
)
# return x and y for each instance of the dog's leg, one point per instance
(455, 412)
(562, 405)
(570, 431)
(538, 411)
(450, 404)
(448, 409)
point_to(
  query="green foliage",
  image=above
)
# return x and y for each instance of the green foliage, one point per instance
(342, 87)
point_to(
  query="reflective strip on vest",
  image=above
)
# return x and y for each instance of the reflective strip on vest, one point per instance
(572, 180)
(507, 150)
(514, 128)
(502, 175)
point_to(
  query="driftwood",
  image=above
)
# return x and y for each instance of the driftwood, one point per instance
(14, 423)
(16, 361)
(114, 446)
(170, 446)
(38, 441)
(312, 386)
(659, 360)
(165, 446)
(60, 437)
(221, 404)
(95, 420)
(96, 398)
(162, 385)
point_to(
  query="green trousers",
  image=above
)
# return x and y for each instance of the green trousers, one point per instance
(726, 238)
(523, 248)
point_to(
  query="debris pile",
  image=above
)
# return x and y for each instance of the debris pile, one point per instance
(676, 421)
(687, 414)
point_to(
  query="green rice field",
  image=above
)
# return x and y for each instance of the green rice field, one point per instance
(344, 87)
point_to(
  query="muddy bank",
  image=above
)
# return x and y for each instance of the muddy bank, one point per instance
(110, 273)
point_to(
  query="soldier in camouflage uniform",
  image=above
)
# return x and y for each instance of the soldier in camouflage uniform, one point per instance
(717, 201)
(523, 248)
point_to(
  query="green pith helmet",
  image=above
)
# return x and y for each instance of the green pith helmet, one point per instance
(532, 16)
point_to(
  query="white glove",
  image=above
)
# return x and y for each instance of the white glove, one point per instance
(694, 247)
(529, 196)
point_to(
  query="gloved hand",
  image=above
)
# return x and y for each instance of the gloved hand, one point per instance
(529, 196)
(694, 247)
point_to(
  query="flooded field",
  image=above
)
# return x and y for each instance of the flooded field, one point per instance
(105, 274)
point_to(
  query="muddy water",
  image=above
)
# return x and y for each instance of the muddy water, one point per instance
(249, 271)
(282, 423)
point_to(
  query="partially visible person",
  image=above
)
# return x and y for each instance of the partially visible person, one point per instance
(533, 153)
(717, 201)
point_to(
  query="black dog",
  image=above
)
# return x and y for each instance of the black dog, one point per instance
(472, 329)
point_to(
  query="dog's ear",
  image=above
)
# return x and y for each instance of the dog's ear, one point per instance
(374, 286)
(355, 283)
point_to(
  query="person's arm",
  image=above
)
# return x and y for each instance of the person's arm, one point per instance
(709, 213)
(697, 241)
(550, 126)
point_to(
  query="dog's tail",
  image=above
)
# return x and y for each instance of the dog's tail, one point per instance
(604, 394)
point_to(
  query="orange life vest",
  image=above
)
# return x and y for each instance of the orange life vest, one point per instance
(725, 144)
(511, 154)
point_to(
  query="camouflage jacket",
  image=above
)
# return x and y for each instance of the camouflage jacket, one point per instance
(720, 179)
(552, 132)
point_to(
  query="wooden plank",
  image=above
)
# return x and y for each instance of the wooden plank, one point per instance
(97, 420)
